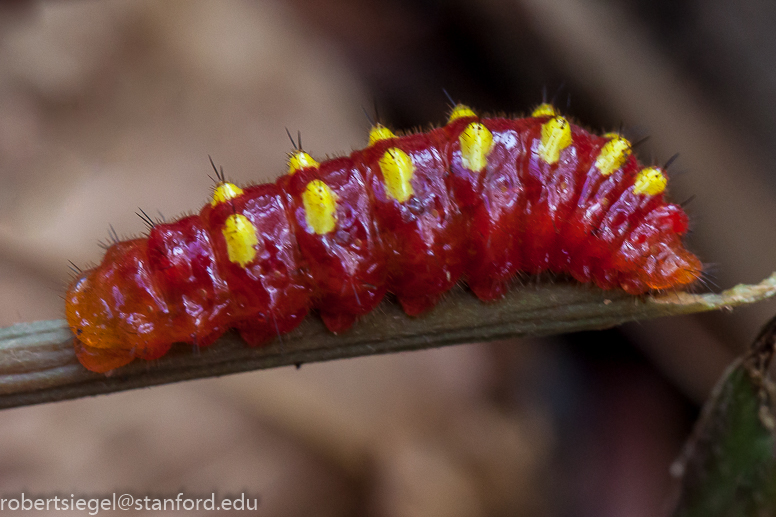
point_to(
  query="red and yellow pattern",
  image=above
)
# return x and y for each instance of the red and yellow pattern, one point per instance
(477, 199)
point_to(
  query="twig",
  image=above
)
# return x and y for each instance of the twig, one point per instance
(37, 362)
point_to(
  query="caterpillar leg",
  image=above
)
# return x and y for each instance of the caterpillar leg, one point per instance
(152, 352)
(101, 360)
(260, 331)
(489, 290)
(255, 335)
(208, 339)
(338, 322)
(414, 306)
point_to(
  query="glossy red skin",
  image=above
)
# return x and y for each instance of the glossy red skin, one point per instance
(517, 214)
(423, 237)
(182, 259)
(134, 318)
(271, 295)
(347, 266)
(494, 203)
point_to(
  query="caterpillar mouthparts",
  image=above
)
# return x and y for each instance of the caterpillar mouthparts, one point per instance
(476, 199)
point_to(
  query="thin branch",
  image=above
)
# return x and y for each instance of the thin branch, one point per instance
(37, 362)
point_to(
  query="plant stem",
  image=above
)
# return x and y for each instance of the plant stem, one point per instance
(37, 362)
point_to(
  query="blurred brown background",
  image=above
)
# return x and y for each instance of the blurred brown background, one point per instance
(110, 106)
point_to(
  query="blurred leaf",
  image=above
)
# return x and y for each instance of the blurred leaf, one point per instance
(728, 467)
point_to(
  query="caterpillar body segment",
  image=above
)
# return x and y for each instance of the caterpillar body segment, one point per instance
(347, 266)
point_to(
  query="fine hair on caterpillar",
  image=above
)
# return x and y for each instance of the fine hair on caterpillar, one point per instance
(477, 200)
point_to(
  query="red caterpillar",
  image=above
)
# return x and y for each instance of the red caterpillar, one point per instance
(479, 199)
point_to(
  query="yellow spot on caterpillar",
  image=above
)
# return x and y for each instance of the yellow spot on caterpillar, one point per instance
(476, 142)
(320, 206)
(300, 160)
(397, 170)
(556, 136)
(544, 110)
(650, 181)
(224, 192)
(461, 111)
(241, 241)
(613, 154)
(379, 132)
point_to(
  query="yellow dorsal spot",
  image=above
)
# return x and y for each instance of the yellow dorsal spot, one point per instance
(224, 192)
(300, 160)
(379, 132)
(650, 181)
(461, 111)
(320, 207)
(241, 241)
(613, 154)
(544, 110)
(476, 141)
(556, 136)
(397, 170)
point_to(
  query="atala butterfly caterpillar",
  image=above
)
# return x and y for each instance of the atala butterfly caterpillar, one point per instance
(477, 200)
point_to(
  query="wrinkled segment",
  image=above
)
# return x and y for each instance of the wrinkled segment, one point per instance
(550, 187)
(652, 255)
(119, 306)
(423, 235)
(270, 295)
(478, 199)
(495, 211)
(182, 262)
(346, 264)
